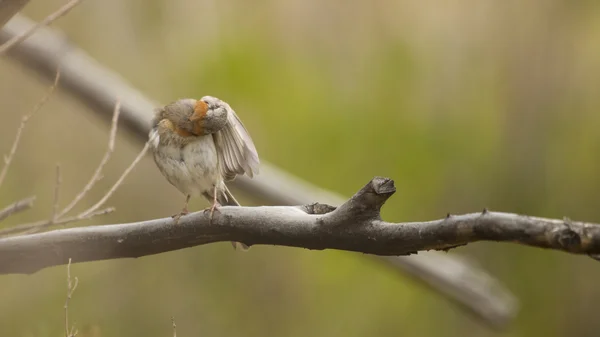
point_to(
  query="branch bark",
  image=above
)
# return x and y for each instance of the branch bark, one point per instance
(98, 88)
(354, 226)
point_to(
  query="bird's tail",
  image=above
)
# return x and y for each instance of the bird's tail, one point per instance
(227, 199)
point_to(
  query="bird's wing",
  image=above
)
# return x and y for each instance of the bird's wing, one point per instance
(235, 149)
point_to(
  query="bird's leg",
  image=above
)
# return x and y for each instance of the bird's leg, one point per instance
(184, 211)
(212, 209)
(215, 204)
(215, 207)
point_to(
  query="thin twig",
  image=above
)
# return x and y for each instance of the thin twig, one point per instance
(34, 227)
(16, 207)
(98, 174)
(174, 326)
(56, 194)
(8, 159)
(47, 21)
(118, 183)
(69, 331)
(58, 218)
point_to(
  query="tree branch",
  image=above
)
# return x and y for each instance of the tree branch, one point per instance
(60, 218)
(13, 150)
(453, 277)
(9, 8)
(16, 207)
(98, 87)
(354, 226)
(6, 46)
(98, 173)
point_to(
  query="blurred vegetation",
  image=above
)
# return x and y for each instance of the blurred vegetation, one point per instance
(465, 104)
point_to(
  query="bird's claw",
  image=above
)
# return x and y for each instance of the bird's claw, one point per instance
(215, 207)
(179, 215)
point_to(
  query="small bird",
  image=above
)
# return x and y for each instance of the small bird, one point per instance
(198, 145)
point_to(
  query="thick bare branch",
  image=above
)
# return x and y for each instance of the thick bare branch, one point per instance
(9, 8)
(98, 88)
(16, 207)
(457, 273)
(83, 77)
(6, 46)
(354, 226)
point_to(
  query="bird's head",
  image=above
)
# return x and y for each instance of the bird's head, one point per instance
(210, 114)
(190, 117)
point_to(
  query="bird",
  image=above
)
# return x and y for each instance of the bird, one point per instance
(198, 145)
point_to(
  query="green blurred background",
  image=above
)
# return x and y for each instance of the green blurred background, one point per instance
(465, 104)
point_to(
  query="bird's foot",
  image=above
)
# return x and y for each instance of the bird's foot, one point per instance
(179, 215)
(215, 207)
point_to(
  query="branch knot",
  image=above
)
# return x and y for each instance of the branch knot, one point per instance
(382, 185)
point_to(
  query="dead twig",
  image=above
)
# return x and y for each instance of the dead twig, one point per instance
(118, 183)
(174, 326)
(56, 194)
(58, 218)
(47, 21)
(8, 159)
(71, 286)
(34, 227)
(98, 174)
(16, 207)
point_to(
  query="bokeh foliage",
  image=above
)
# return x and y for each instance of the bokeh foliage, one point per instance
(466, 105)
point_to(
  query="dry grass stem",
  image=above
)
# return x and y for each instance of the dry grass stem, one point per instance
(71, 286)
